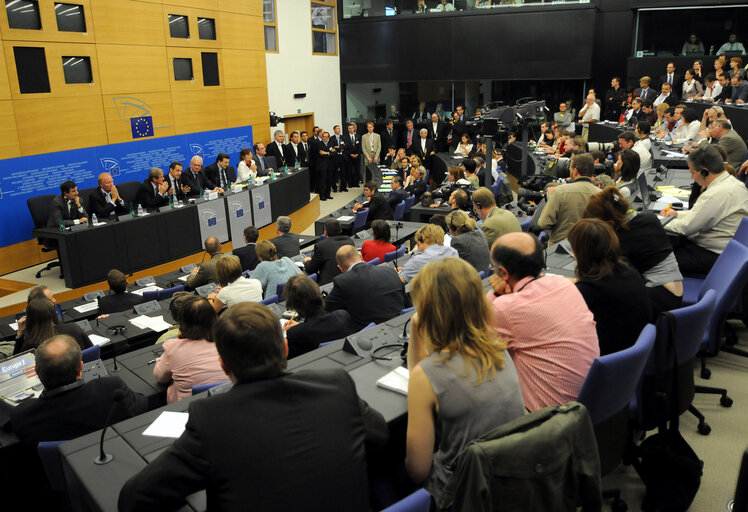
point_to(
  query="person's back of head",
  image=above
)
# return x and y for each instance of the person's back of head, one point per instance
(283, 224)
(609, 206)
(228, 270)
(37, 292)
(332, 227)
(41, 318)
(519, 254)
(596, 248)
(251, 234)
(303, 295)
(459, 222)
(643, 128)
(197, 319)
(381, 230)
(706, 160)
(250, 342)
(631, 162)
(430, 234)
(690, 115)
(454, 315)
(58, 361)
(212, 245)
(266, 251)
(470, 165)
(175, 306)
(483, 198)
(117, 281)
(440, 220)
(460, 198)
(346, 256)
(584, 165)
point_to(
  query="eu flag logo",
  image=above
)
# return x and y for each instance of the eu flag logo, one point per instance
(141, 127)
(212, 221)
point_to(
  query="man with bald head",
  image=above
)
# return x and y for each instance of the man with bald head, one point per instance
(550, 332)
(68, 407)
(206, 272)
(196, 180)
(106, 200)
(590, 113)
(370, 293)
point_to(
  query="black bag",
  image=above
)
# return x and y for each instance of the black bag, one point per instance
(671, 471)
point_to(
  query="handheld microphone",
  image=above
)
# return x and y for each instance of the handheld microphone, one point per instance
(106, 458)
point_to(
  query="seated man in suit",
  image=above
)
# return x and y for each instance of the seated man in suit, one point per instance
(220, 172)
(397, 193)
(323, 260)
(154, 192)
(417, 186)
(430, 243)
(370, 293)
(119, 299)
(314, 420)
(66, 208)
(68, 407)
(247, 254)
(263, 161)
(286, 243)
(174, 179)
(377, 204)
(206, 272)
(277, 148)
(106, 201)
(196, 180)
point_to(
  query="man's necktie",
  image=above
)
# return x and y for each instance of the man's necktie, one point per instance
(223, 178)
(410, 138)
(70, 208)
(670, 79)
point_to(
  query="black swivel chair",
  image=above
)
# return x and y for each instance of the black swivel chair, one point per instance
(129, 190)
(85, 197)
(39, 208)
(740, 503)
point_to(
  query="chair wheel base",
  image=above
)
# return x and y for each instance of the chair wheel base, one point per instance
(704, 429)
(706, 373)
(725, 401)
(618, 505)
(38, 274)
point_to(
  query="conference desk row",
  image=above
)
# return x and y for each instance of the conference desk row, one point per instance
(87, 253)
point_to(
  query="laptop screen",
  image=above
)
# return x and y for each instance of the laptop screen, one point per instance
(644, 190)
(18, 378)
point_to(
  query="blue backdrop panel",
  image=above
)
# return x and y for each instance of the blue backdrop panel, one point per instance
(29, 176)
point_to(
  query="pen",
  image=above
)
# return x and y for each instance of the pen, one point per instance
(668, 207)
(152, 361)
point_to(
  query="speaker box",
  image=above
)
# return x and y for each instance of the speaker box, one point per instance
(363, 343)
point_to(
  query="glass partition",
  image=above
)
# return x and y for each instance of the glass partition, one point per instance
(367, 8)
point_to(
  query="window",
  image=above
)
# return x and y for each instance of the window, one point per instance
(77, 70)
(31, 66)
(70, 18)
(23, 14)
(324, 25)
(210, 68)
(206, 28)
(182, 69)
(271, 25)
(178, 26)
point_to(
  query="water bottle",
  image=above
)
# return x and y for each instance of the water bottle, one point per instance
(297, 165)
(61, 223)
(140, 210)
(285, 169)
(94, 220)
(272, 174)
(171, 201)
(132, 209)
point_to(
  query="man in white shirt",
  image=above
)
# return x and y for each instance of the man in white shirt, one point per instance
(444, 6)
(706, 228)
(690, 129)
(590, 113)
(712, 88)
(732, 45)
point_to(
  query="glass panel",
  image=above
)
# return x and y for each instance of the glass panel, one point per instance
(323, 16)
(270, 39)
(77, 70)
(178, 26)
(70, 18)
(358, 8)
(23, 14)
(206, 28)
(323, 42)
(268, 11)
(182, 69)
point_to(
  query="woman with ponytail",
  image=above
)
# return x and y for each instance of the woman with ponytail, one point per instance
(272, 271)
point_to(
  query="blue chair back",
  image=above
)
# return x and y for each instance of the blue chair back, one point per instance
(741, 234)
(270, 300)
(419, 501)
(612, 379)
(408, 310)
(482, 274)
(727, 277)
(400, 210)
(205, 387)
(409, 202)
(496, 187)
(169, 292)
(150, 295)
(313, 277)
(399, 253)
(375, 261)
(279, 290)
(360, 221)
(49, 454)
(690, 325)
(91, 354)
(525, 224)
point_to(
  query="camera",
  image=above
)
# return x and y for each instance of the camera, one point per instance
(604, 168)
(605, 147)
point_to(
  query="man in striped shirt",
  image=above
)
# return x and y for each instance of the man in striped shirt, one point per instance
(549, 330)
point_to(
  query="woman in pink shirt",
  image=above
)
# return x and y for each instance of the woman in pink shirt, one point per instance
(191, 358)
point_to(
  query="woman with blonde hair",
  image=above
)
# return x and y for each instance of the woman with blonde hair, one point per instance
(462, 383)
(471, 243)
(272, 271)
(234, 287)
(661, 123)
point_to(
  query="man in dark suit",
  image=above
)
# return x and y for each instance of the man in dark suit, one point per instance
(174, 178)
(459, 126)
(438, 133)
(286, 243)
(119, 299)
(336, 142)
(294, 152)
(352, 156)
(667, 96)
(277, 149)
(410, 137)
(397, 193)
(644, 91)
(418, 187)
(263, 161)
(377, 204)
(68, 407)
(671, 77)
(424, 148)
(289, 425)
(196, 180)
(67, 208)
(154, 192)
(206, 272)
(304, 152)
(220, 172)
(105, 201)
(323, 260)
(370, 293)
(390, 139)
(247, 255)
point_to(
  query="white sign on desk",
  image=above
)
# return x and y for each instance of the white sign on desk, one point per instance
(168, 424)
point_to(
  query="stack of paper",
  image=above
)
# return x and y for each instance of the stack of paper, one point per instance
(151, 288)
(89, 306)
(345, 218)
(184, 278)
(168, 424)
(673, 191)
(154, 323)
(396, 380)
(98, 340)
(673, 154)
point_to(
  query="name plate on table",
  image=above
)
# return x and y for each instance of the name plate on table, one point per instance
(78, 227)
(211, 195)
(206, 289)
(147, 307)
(236, 188)
(187, 268)
(84, 325)
(88, 297)
(145, 281)
(125, 218)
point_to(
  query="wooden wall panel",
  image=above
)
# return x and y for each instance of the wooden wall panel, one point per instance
(235, 30)
(119, 109)
(197, 68)
(247, 106)
(256, 32)
(22, 255)
(244, 68)
(9, 146)
(251, 7)
(192, 15)
(199, 110)
(197, 4)
(58, 124)
(49, 31)
(4, 82)
(127, 22)
(133, 69)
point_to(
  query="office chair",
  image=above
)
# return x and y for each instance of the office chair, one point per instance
(279, 289)
(408, 310)
(205, 387)
(313, 277)
(391, 256)
(270, 300)
(128, 190)
(409, 202)
(91, 354)
(525, 224)
(419, 501)
(375, 261)
(400, 210)
(606, 392)
(85, 198)
(360, 221)
(49, 454)
(496, 187)
(39, 208)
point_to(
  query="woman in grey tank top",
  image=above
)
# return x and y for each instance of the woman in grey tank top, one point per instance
(463, 383)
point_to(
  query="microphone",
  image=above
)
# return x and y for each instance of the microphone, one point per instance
(106, 458)
(404, 339)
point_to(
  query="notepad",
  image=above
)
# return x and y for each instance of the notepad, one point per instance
(396, 380)
(184, 278)
(98, 340)
(89, 306)
(168, 424)
(154, 323)
(345, 218)
(152, 288)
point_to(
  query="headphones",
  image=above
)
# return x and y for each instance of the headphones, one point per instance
(420, 239)
(704, 173)
(476, 203)
(117, 329)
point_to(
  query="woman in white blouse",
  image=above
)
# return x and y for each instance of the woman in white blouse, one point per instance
(691, 127)
(235, 288)
(465, 147)
(246, 168)
(691, 86)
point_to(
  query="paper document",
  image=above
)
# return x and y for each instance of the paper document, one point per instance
(154, 323)
(396, 380)
(14, 326)
(184, 278)
(673, 154)
(168, 424)
(89, 306)
(345, 218)
(673, 191)
(151, 288)
(98, 340)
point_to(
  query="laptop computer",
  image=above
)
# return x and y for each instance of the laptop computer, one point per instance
(18, 379)
(649, 206)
